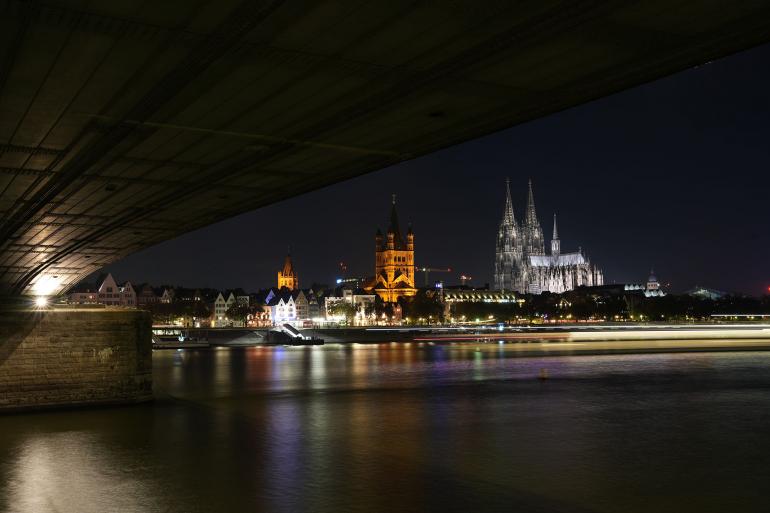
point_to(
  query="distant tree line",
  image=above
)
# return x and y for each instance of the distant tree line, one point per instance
(584, 305)
(424, 307)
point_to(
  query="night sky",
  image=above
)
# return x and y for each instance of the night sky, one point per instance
(672, 175)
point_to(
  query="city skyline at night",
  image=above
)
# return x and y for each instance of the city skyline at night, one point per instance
(345, 256)
(647, 179)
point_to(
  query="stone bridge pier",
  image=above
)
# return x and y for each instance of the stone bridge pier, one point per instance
(62, 357)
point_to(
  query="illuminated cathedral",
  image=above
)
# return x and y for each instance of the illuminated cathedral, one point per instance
(521, 263)
(394, 261)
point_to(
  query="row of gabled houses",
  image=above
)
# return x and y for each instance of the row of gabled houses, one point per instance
(306, 307)
(300, 307)
(110, 293)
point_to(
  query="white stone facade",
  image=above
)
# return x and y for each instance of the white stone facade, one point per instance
(111, 294)
(521, 263)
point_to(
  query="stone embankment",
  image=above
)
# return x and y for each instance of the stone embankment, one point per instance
(73, 357)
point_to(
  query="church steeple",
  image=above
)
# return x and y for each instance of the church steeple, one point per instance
(394, 261)
(555, 230)
(394, 229)
(531, 217)
(533, 231)
(508, 216)
(555, 243)
(287, 277)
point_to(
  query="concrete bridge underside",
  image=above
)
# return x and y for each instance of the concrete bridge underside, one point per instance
(126, 123)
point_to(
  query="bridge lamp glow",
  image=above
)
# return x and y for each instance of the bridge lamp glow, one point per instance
(44, 287)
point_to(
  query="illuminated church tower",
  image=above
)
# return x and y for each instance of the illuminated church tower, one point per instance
(533, 233)
(394, 261)
(509, 247)
(287, 277)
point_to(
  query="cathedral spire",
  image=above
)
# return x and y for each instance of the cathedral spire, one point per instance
(555, 230)
(508, 212)
(531, 214)
(533, 231)
(394, 227)
(555, 243)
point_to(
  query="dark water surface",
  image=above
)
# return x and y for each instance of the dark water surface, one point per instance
(402, 427)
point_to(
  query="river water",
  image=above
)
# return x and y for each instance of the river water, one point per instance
(407, 427)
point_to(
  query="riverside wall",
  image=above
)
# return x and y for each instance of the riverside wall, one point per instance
(74, 357)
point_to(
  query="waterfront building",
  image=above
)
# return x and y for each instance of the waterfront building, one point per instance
(283, 307)
(167, 296)
(653, 284)
(649, 289)
(460, 296)
(706, 293)
(187, 295)
(108, 292)
(314, 304)
(127, 295)
(362, 303)
(259, 317)
(302, 305)
(394, 262)
(522, 264)
(221, 305)
(147, 296)
(293, 306)
(111, 294)
(479, 296)
(83, 295)
(287, 277)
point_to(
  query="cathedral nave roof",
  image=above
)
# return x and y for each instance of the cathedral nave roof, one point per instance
(564, 259)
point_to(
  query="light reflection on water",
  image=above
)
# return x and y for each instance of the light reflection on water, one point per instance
(408, 427)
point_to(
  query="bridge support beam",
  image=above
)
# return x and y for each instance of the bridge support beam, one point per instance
(73, 357)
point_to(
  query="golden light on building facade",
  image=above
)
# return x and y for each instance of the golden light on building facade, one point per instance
(287, 277)
(394, 262)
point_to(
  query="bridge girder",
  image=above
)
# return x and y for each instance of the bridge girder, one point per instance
(126, 123)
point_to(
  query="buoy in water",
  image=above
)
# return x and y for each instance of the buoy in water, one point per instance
(543, 374)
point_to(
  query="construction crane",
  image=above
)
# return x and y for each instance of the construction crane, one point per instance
(428, 270)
